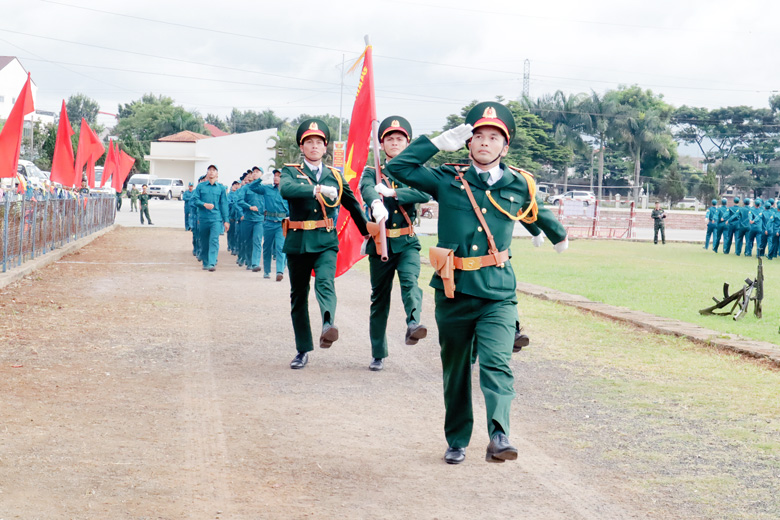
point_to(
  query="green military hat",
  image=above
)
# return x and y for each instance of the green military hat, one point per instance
(310, 127)
(492, 113)
(395, 124)
(724, 201)
(714, 202)
(736, 200)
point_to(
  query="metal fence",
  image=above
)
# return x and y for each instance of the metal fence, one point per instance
(31, 226)
(592, 221)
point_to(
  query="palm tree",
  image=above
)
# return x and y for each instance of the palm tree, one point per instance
(641, 132)
(598, 112)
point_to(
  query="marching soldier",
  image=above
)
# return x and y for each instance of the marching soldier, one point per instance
(143, 198)
(210, 198)
(252, 201)
(187, 198)
(314, 191)
(474, 281)
(196, 249)
(403, 254)
(276, 210)
(766, 225)
(756, 228)
(231, 235)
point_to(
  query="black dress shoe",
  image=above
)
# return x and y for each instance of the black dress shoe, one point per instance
(499, 449)
(300, 360)
(521, 340)
(329, 334)
(376, 364)
(454, 455)
(415, 332)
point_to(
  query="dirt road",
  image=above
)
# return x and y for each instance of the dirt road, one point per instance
(136, 385)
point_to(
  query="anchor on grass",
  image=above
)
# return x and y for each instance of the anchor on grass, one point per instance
(741, 298)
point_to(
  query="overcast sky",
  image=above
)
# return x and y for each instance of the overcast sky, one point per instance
(431, 57)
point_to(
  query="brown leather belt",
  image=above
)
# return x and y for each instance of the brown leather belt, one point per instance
(395, 233)
(475, 263)
(308, 225)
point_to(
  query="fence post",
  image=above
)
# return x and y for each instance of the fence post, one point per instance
(631, 218)
(44, 226)
(7, 204)
(596, 213)
(21, 233)
(33, 226)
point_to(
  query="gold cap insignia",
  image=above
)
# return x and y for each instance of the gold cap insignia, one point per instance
(313, 125)
(395, 124)
(490, 113)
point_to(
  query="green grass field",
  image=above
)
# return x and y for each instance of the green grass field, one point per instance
(672, 280)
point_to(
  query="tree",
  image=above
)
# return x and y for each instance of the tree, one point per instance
(673, 187)
(217, 121)
(599, 113)
(287, 149)
(149, 119)
(81, 105)
(239, 122)
(641, 126)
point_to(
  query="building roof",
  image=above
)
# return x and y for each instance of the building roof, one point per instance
(5, 60)
(184, 137)
(214, 130)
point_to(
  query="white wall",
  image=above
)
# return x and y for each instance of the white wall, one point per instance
(234, 154)
(12, 78)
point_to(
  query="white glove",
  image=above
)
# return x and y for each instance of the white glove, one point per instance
(384, 191)
(378, 211)
(329, 191)
(538, 240)
(562, 246)
(453, 140)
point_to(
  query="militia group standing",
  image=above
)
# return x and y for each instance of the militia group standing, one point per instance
(294, 221)
(753, 222)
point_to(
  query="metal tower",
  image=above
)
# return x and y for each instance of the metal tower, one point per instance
(526, 77)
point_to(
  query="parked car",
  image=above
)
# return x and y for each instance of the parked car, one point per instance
(105, 189)
(139, 179)
(688, 203)
(35, 177)
(587, 197)
(167, 188)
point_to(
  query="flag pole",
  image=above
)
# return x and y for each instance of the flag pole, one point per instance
(378, 167)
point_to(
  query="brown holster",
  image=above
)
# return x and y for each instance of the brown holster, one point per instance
(443, 261)
(285, 226)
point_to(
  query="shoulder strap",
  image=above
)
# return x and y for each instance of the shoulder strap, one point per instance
(492, 249)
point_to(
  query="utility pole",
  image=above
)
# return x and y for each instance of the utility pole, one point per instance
(526, 78)
(341, 95)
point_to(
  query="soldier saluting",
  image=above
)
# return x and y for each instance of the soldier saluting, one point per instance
(474, 281)
(403, 246)
(314, 191)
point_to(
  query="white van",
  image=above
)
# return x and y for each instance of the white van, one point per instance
(139, 179)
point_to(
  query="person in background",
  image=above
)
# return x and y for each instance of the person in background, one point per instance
(143, 198)
(134, 193)
(711, 215)
(187, 198)
(658, 217)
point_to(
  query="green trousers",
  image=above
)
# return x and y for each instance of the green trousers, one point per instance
(407, 264)
(467, 322)
(300, 268)
(145, 211)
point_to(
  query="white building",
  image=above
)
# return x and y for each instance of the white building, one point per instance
(186, 155)
(12, 78)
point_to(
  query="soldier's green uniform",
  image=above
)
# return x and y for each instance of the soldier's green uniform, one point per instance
(403, 251)
(312, 242)
(254, 197)
(482, 311)
(143, 198)
(134, 193)
(658, 217)
(743, 227)
(732, 223)
(187, 198)
(712, 222)
(119, 200)
(722, 214)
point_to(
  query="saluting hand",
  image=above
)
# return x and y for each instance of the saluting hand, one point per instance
(453, 140)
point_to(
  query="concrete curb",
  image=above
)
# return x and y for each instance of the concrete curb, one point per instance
(657, 324)
(15, 274)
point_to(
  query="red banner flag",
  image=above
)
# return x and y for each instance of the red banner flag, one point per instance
(62, 164)
(109, 167)
(123, 169)
(358, 141)
(11, 134)
(89, 151)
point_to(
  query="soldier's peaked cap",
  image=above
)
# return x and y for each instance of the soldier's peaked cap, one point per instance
(492, 113)
(395, 124)
(310, 127)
